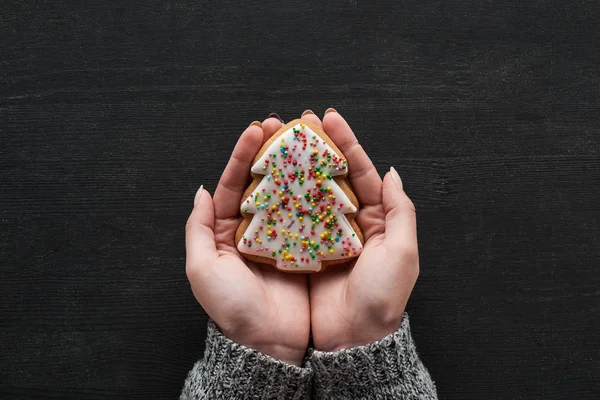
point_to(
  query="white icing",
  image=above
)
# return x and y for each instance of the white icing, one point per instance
(282, 224)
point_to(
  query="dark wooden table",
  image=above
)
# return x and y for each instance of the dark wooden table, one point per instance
(113, 113)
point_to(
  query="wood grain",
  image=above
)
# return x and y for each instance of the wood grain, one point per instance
(112, 115)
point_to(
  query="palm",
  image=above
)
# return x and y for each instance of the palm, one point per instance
(262, 302)
(363, 300)
(253, 304)
(337, 295)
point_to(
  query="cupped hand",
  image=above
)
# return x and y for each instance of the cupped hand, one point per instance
(253, 304)
(363, 301)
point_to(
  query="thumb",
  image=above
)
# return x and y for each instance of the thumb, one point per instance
(200, 245)
(400, 216)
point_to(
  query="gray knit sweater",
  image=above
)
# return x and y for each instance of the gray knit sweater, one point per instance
(387, 369)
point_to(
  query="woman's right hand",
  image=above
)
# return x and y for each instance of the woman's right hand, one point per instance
(363, 301)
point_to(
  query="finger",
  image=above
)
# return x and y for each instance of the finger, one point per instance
(362, 174)
(311, 117)
(235, 176)
(270, 126)
(199, 237)
(400, 216)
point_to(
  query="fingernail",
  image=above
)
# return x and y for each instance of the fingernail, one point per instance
(275, 115)
(307, 112)
(330, 109)
(198, 195)
(396, 177)
(256, 123)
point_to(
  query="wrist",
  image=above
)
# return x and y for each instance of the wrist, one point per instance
(358, 340)
(280, 352)
(291, 353)
(362, 335)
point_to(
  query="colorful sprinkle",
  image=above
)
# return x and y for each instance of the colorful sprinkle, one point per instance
(306, 165)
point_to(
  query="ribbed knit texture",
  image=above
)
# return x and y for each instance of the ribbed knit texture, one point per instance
(231, 371)
(387, 369)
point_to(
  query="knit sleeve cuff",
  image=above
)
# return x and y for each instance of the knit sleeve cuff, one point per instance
(232, 371)
(387, 369)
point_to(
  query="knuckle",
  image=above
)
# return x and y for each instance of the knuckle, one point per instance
(189, 223)
(352, 145)
(408, 203)
(401, 209)
(394, 213)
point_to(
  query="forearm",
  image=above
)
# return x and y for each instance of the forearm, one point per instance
(387, 369)
(231, 371)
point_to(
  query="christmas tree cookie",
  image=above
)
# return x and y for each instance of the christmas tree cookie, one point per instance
(299, 211)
